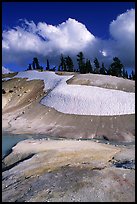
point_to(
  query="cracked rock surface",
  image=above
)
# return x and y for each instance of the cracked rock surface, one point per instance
(67, 171)
(23, 113)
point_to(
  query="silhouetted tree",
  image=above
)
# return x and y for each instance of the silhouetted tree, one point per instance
(69, 64)
(116, 67)
(88, 67)
(103, 70)
(97, 66)
(81, 64)
(47, 67)
(29, 67)
(35, 63)
(124, 73)
(54, 68)
(58, 68)
(62, 63)
(133, 75)
(41, 68)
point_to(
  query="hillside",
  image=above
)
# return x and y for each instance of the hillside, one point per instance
(52, 116)
(5, 70)
(86, 158)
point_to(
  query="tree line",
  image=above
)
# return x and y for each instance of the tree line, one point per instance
(116, 68)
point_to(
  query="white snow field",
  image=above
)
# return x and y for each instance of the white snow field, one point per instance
(5, 70)
(6, 79)
(81, 99)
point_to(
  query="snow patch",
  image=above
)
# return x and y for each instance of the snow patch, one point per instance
(6, 79)
(80, 99)
(5, 70)
(50, 78)
(88, 100)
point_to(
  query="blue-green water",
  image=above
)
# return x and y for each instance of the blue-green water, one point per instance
(8, 141)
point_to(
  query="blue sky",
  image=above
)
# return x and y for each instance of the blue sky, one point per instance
(95, 16)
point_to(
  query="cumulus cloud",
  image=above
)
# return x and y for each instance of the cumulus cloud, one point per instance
(21, 43)
(122, 31)
(125, 23)
(66, 36)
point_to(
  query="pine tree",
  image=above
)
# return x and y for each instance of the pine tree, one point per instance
(59, 68)
(126, 75)
(62, 63)
(47, 67)
(29, 67)
(81, 64)
(97, 66)
(41, 68)
(36, 63)
(116, 67)
(133, 75)
(103, 70)
(69, 64)
(130, 77)
(54, 68)
(88, 67)
(33, 65)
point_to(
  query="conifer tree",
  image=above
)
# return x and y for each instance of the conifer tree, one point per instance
(133, 75)
(81, 64)
(29, 67)
(126, 75)
(35, 63)
(62, 63)
(97, 66)
(103, 70)
(47, 67)
(88, 67)
(116, 67)
(69, 64)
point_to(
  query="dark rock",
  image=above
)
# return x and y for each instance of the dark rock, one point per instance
(105, 137)
(125, 164)
(3, 91)
(10, 91)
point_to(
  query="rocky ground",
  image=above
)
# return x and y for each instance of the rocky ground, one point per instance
(104, 81)
(69, 169)
(22, 113)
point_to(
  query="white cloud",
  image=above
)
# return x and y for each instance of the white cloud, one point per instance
(66, 36)
(103, 52)
(122, 31)
(21, 40)
(123, 28)
(20, 44)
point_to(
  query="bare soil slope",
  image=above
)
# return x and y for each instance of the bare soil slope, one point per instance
(22, 112)
(66, 170)
(104, 81)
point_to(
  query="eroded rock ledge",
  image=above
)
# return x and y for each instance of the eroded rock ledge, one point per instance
(67, 171)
